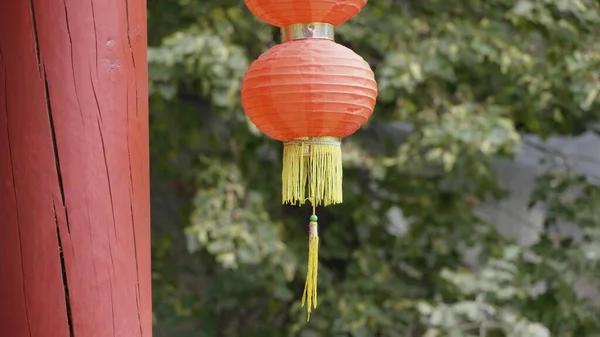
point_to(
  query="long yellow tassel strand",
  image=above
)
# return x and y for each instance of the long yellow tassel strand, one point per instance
(310, 287)
(312, 168)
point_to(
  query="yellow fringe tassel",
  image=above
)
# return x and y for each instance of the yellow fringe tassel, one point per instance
(312, 167)
(310, 287)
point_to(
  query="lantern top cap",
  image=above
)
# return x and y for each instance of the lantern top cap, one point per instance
(312, 30)
(283, 13)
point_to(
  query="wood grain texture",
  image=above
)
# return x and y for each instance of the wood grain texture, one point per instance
(74, 169)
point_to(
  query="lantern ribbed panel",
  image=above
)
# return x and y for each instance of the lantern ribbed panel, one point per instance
(309, 88)
(286, 12)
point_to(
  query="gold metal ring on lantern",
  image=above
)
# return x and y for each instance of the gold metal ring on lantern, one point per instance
(313, 30)
(307, 143)
(315, 141)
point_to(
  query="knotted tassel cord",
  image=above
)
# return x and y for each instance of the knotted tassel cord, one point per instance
(312, 168)
(309, 297)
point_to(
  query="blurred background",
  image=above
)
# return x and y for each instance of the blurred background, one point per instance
(471, 199)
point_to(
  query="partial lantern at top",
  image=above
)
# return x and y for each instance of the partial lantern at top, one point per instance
(289, 12)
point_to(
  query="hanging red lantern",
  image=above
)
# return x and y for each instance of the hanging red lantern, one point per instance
(288, 12)
(309, 92)
(309, 88)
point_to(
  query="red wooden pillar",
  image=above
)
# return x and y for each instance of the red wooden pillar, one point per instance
(74, 175)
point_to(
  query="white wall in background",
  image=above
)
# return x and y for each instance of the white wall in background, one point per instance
(511, 215)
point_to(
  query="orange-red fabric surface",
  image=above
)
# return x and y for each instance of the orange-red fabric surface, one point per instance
(286, 12)
(309, 88)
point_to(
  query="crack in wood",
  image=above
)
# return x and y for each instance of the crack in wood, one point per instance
(95, 95)
(131, 193)
(132, 58)
(35, 37)
(110, 192)
(64, 273)
(71, 51)
(95, 34)
(55, 146)
(63, 199)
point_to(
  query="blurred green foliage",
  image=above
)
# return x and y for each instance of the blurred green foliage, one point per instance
(469, 77)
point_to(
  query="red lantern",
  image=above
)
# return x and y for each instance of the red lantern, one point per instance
(283, 13)
(309, 92)
(309, 88)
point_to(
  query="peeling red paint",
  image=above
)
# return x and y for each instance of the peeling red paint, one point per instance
(74, 161)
